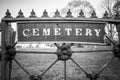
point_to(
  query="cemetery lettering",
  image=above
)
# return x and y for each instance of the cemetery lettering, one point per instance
(57, 31)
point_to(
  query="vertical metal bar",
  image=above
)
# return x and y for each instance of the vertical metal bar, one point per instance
(65, 74)
(4, 63)
(10, 69)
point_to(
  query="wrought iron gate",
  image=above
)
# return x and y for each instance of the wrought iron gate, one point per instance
(63, 52)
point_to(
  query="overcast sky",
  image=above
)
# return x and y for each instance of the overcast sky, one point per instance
(37, 5)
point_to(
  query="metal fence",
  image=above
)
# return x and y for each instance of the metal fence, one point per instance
(63, 52)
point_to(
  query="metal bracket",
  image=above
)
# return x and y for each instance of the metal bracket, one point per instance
(10, 52)
(64, 52)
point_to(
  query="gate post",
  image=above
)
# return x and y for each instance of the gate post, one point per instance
(4, 63)
(4, 42)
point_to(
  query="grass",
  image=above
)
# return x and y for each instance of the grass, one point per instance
(92, 62)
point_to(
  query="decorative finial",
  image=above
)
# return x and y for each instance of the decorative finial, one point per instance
(57, 13)
(81, 14)
(33, 14)
(8, 14)
(45, 13)
(20, 14)
(69, 13)
(93, 15)
(105, 16)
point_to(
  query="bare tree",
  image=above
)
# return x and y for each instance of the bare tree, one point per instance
(76, 6)
(116, 7)
(108, 5)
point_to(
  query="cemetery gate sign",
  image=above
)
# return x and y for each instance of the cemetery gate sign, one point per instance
(61, 32)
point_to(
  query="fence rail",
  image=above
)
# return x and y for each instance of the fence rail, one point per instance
(58, 17)
(62, 19)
